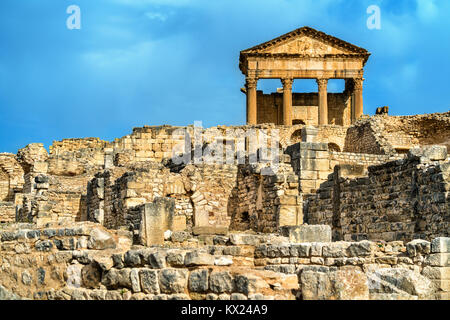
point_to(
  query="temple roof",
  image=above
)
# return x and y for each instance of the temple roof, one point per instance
(306, 42)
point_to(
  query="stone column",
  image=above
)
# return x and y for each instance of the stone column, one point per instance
(358, 90)
(287, 101)
(323, 101)
(251, 100)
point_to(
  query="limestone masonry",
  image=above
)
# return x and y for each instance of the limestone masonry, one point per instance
(311, 199)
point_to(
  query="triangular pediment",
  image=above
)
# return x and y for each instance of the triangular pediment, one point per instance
(306, 41)
(304, 45)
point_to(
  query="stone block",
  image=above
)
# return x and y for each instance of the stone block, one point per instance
(149, 281)
(347, 284)
(308, 174)
(210, 230)
(307, 233)
(172, 280)
(100, 239)
(418, 246)
(155, 217)
(399, 280)
(244, 239)
(436, 273)
(288, 216)
(197, 258)
(440, 245)
(178, 223)
(433, 153)
(309, 134)
(198, 281)
(250, 284)
(438, 259)
(220, 282)
(335, 249)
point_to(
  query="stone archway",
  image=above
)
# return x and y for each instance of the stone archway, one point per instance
(334, 147)
(296, 136)
(298, 121)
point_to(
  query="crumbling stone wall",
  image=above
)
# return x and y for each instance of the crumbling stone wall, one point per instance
(7, 212)
(405, 132)
(366, 136)
(201, 193)
(399, 200)
(263, 202)
(34, 260)
(11, 177)
(332, 135)
(83, 261)
(383, 134)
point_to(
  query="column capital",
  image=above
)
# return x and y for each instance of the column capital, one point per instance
(287, 83)
(358, 84)
(322, 83)
(251, 83)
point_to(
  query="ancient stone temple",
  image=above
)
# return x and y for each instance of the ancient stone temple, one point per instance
(345, 210)
(304, 53)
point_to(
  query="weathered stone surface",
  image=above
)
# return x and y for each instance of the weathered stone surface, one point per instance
(434, 152)
(360, 249)
(335, 249)
(197, 258)
(135, 280)
(349, 284)
(91, 276)
(198, 281)
(180, 236)
(307, 233)
(250, 284)
(175, 259)
(440, 245)
(149, 281)
(172, 280)
(223, 261)
(438, 259)
(244, 239)
(73, 273)
(221, 281)
(7, 295)
(100, 239)
(132, 258)
(210, 230)
(157, 260)
(403, 281)
(418, 246)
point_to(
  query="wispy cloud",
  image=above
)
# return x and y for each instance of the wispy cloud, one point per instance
(427, 10)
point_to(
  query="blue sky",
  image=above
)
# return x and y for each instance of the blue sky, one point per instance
(151, 62)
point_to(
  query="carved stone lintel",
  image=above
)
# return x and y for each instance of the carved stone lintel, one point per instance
(287, 83)
(322, 83)
(251, 83)
(358, 84)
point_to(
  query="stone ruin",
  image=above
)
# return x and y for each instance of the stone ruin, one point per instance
(356, 210)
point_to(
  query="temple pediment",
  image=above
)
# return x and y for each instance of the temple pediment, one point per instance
(304, 45)
(306, 42)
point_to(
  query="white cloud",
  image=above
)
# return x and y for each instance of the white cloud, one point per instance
(426, 10)
(157, 16)
(113, 58)
(172, 3)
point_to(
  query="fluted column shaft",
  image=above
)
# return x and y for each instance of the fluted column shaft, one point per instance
(358, 91)
(287, 101)
(251, 84)
(323, 101)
